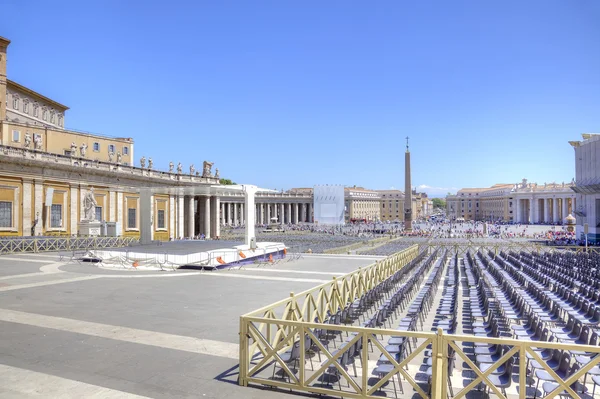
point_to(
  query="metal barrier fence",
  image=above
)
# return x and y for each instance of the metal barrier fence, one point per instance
(464, 246)
(18, 245)
(280, 343)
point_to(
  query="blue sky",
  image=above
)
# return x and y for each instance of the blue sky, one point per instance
(295, 93)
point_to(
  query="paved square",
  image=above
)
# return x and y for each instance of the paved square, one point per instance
(74, 330)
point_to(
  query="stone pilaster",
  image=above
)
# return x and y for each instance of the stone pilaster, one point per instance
(112, 206)
(38, 200)
(74, 209)
(26, 199)
(120, 211)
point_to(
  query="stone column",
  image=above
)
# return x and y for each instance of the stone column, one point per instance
(555, 217)
(180, 213)
(565, 208)
(215, 206)
(191, 216)
(288, 213)
(38, 199)
(172, 232)
(241, 217)
(27, 216)
(268, 213)
(547, 214)
(250, 192)
(281, 213)
(235, 213)
(517, 211)
(295, 218)
(261, 213)
(207, 216)
(229, 213)
(309, 217)
(303, 212)
(531, 210)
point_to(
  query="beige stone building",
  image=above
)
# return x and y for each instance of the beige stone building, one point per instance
(519, 203)
(31, 120)
(391, 205)
(362, 204)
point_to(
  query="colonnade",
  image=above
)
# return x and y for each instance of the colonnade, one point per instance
(201, 215)
(232, 213)
(544, 210)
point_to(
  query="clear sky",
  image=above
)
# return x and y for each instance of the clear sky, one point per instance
(295, 93)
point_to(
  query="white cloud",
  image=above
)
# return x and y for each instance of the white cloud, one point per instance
(436, 191)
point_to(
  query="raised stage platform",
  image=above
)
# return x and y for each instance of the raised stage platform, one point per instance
(189, 254)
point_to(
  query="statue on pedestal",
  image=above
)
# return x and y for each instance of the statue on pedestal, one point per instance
(83, 149)
(206, 172)
(216, 173)
(119, 157)
(111, 156)
(197, 173)
(150, 163)
(37, 141)
(73, 149)
(27, 142)
(143, 162)
(171, 167)
(192, 169)
(89, 206)
(179, 168)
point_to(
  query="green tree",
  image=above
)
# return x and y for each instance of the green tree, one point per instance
(227, 182)
(439, 203)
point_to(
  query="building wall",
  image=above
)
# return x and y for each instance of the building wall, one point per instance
(391, 205)
(26, 107)
(58, 141)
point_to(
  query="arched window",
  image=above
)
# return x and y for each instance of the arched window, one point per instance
(26, 106)
(15, 102)
(45, 114)
(36, 110)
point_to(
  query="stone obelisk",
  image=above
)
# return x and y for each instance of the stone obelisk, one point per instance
(407, 191)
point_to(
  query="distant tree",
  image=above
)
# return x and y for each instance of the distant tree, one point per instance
(227, 182)
(439, 203)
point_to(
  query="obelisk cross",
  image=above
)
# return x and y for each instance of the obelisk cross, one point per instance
(406, 143)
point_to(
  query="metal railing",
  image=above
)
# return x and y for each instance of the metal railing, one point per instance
(268, 335)
(43, 244)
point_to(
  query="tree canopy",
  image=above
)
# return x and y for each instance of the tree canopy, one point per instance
(438, 203)
(227, 182)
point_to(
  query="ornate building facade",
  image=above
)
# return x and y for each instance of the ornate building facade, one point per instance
(518, 203)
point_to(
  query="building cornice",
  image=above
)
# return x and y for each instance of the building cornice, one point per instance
(20, 87)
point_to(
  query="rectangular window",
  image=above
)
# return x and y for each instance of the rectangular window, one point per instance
(56, 216)
(5, 214)
(131, 218)
(125, 150)
(161, 219)
(36, 111)
(111, 148)
(26, 107)
(16, 135)
(96, 147)
(98, 213)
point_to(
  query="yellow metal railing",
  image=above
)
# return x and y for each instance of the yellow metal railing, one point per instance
(19, 245)
(269, 334)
